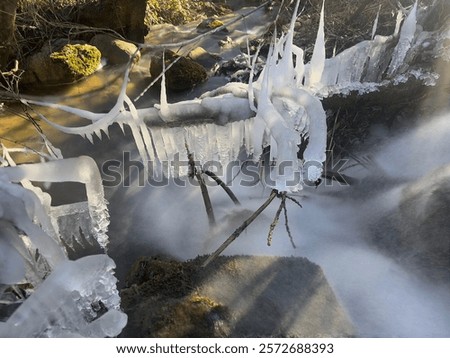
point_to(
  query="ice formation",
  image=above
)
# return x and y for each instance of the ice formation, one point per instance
(78, 299)
(82, 170)
(407, 35)
(317, 63)
(68, 298)
(280, 109)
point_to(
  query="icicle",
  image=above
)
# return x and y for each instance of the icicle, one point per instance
(398, 22)
(163, 107)
(54, 152)
(120, 123)
(98, 133)
(106, 131)
(405, 41)
(89, 137)
(143, 136)
(317, 63)
(375, 23)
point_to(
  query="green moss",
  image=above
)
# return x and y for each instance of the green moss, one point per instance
(81, 60)
(215, 24)
(172, 11)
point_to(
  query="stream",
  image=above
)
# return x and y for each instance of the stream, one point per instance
(334, 228)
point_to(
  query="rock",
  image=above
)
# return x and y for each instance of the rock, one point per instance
(203, 57)
(211, 24)
(183, 75)
(238, 70)
(116, 51)
(69, 63)
(239, 296)
(417, 232)
(226, 42)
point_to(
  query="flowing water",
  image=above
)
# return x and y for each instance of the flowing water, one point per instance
(333, 229)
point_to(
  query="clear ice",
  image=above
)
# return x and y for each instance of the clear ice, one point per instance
(78, 299)
(65, 298)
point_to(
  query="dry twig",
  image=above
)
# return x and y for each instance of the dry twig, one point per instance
(240, 229)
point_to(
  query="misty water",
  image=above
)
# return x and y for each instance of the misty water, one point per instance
(334, 228)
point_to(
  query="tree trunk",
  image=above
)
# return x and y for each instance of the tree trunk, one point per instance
(7, 21)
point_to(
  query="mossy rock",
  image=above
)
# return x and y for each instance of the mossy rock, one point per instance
(211, 24)
(184, 73)
(80, 60)
(59, 63)
(238, 296)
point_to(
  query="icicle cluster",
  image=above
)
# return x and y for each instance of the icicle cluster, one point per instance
(68, 298)
(281, 109)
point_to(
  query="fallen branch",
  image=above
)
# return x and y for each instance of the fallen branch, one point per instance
(286, 223)
(274, 223)
(206, 199)
(241, 228)
(223, 185)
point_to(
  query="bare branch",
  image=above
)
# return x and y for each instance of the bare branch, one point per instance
(275, 222)
(294, 200)
(203, 188)
(286, 223)
(223, 185)
(240, 229)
